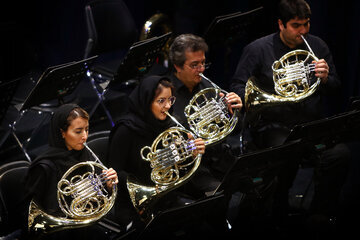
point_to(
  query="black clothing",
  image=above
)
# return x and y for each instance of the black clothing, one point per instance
(135, 130)
(273, 124)
(208, 176)
(257, 59)
(183, 97)
(46, 171)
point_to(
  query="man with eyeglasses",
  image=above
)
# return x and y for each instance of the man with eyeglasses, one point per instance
(187, 55)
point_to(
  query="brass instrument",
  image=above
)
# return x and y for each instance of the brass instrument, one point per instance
(173, 163)
(208, 115)
(157, 25)
(81, 197)
(294, 80)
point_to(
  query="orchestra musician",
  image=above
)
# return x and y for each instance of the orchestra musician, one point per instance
(146, 119)
(188, 61)
(69, 128)
(273, 124)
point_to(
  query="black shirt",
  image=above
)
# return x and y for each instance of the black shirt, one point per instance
(257, 59)
(183, 97)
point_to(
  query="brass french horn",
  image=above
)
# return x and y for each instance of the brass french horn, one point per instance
(173, 163)
(294, 80)
(208, 115)
(157, 25)
(82, 198)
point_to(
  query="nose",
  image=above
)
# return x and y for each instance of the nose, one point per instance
(167, 104)
(303, 30)
(84, 135)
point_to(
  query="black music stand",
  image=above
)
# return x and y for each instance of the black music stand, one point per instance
(178, 218)
(243, 174)
(55, 83)
(328, 131)
(231, 26)
(137, 62)
(7, 91)
(140, 57)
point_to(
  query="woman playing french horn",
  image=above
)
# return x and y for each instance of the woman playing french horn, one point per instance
(147, 118)
(69, 129)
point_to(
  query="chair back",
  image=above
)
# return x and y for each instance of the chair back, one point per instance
(98, 142)
(13, 207)
(110, 27)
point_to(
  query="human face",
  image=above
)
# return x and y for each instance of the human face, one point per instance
(159, 109)
(76, 134)
(291, 35)
(187, 73)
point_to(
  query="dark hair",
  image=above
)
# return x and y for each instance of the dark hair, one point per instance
(75, 113)
(290, 9)
(164, 82)
(183, 43)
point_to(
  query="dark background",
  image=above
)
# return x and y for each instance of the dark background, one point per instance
(38, 34)
(42, 33)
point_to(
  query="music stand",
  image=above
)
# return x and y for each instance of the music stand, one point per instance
(231, 26)
(137, 62)
(55, 83)
(7, 91)
(243, 174)
(327, 131)
(182, 217)
(140, 57)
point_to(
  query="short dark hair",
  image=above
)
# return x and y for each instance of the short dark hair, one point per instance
(183, 43)
(290, 9)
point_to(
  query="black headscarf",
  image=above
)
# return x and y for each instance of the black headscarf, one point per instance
(57, 147)
(48, 168)
(140, 117)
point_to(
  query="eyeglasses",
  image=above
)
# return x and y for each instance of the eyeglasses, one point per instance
(162, 101)
(198, 66)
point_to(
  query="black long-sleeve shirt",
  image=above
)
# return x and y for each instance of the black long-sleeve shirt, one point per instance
(257, 60)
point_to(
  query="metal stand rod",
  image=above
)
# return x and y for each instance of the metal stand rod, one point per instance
(100, 100)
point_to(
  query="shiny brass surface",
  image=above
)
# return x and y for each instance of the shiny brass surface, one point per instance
(82, 198)
(157, 25)
(172, 161)
(208, 115)
(294, 80)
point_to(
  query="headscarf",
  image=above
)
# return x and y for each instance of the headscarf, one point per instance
(57, 148)
(55, 161)
(140, 117)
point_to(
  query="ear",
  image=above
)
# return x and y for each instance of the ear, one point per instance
(178, 69)
(62, 133)
(281, 25)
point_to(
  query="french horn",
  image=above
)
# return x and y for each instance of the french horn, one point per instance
(294, 80)
(208, 115)
(81, 196)
(173, 163)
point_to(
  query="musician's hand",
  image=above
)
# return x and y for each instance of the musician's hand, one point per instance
(233, 101)
(321, 70)
(199, 145)
(111, 177)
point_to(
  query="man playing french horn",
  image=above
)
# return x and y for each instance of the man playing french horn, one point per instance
(282, 79)
(187, 57)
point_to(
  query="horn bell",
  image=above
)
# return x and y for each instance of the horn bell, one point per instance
(294, 80)
(173, 163)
